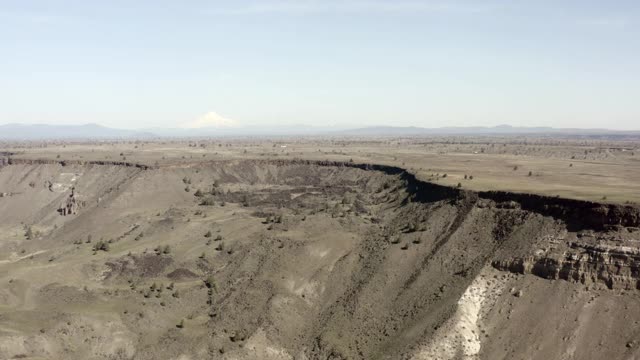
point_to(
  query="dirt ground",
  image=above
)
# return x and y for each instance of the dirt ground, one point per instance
(239, 250)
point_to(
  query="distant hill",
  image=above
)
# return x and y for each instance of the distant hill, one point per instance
(43, 131)
(95, 131)
(479, 130)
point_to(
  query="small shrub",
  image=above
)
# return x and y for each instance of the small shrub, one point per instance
(101, 246)
(220, 247)
(29, 234)
(208, 201)
(210, 282)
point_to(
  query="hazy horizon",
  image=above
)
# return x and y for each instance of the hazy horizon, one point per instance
(346, 64)
(311, 126)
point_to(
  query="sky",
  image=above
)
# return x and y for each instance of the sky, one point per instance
(338, 63)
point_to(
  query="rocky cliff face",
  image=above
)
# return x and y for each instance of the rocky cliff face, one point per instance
(609, 258)
(577, 213)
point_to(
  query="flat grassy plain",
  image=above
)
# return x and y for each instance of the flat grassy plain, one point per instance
(602, 170)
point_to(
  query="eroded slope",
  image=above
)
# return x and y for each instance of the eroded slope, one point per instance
(295, 260)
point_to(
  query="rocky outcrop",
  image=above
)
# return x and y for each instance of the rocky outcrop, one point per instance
(72, 204)
(618, 267)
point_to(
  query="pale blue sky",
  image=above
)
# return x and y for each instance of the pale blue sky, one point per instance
(136, 64)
